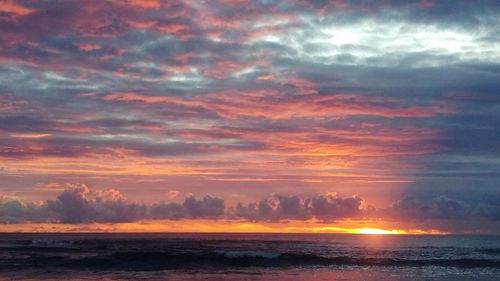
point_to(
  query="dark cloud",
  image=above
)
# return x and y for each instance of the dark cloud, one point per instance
(324, 207)
(327, 207)
(81, 205)
(74, 146)
(74, 206)
(275, 208)
(440, 207)
(489, 208)
(166, 210)
(16, 212)
(207, 207)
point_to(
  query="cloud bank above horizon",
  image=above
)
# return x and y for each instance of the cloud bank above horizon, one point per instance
(81, 205)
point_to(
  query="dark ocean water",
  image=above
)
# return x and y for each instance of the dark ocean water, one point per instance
(248, 257)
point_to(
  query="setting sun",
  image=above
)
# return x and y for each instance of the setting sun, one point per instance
(368, 230)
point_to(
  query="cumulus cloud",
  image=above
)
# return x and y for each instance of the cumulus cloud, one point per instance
(15, 211)
(332, 206)
(75, 206)
(207, 207)
(323, 207)
(165, 210)
(277, 207)
(441, 207)
(79, 204)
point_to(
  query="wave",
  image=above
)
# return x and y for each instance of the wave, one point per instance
(39, 245)
(248, 254)
(140, 260)
(490, 251)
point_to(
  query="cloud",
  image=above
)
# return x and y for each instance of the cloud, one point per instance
(323, 207)
(440, 207)
(80, 205)
(332, 206)
(75, 206)
(16, 212)
(489, 211)
(489, 208)
(164, 210)
(275, 208)
(11, 7)
(171, 194)
(207, 207)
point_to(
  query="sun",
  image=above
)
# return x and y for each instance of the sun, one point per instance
(368, 230)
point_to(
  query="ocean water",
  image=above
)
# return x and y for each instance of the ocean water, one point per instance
(247, 257)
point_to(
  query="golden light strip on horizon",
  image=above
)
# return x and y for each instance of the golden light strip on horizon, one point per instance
(207, 226)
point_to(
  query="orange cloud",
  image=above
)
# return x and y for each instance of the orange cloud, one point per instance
(30, 135)
(174, 28)
(88, 47)
(151, 4)
(265, 77)
(274, 105)
(8, 6)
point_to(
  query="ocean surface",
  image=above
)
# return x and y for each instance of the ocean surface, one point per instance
(163, 256)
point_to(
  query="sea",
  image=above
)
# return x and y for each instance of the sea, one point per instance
(247, 256)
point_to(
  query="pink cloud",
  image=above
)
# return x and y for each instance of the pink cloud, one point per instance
(9, 6)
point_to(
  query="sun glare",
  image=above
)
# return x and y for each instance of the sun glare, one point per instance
(368, 230)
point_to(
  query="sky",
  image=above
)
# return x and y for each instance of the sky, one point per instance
(238, 115)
